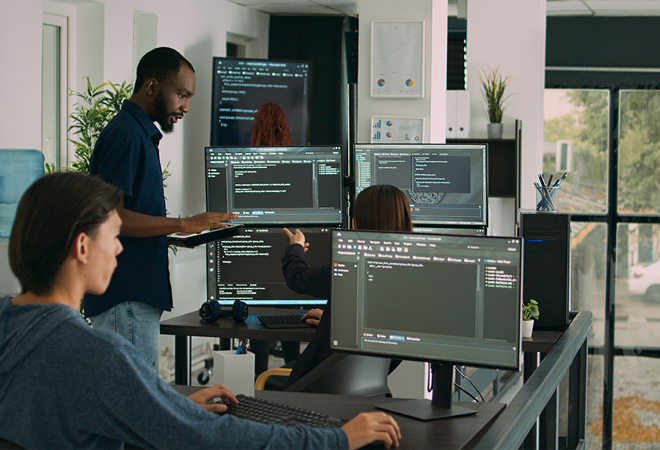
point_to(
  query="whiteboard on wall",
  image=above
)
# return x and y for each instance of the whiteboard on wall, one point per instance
(397, 58)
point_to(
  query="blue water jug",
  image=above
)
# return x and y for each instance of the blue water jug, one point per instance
(18, 170)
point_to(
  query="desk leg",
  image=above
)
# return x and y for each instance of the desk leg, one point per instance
(182, 360)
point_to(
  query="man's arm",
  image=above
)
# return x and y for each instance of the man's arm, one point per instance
(141, 225)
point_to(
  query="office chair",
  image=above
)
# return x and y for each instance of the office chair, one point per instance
(340, 373)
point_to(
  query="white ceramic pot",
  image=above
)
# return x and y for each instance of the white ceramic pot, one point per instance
(528, 328)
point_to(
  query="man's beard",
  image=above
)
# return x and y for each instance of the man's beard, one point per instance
(162, 115)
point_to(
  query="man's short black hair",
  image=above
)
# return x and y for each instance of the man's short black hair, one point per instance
(160, 63)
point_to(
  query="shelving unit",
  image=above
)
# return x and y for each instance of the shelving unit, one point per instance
(503, 164)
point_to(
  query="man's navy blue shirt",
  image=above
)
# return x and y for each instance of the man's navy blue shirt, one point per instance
(126, 156)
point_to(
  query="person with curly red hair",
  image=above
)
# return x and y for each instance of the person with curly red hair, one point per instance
(270, 126)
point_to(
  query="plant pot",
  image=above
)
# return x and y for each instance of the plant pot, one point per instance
(527, 328)
(494, 130)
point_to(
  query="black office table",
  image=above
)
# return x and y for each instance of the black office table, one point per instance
(455, 433)
(188, 325)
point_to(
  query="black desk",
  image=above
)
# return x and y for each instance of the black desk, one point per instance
(416, 434)
(188, 325)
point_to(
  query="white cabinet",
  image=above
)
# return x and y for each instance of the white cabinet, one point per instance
(458, 114)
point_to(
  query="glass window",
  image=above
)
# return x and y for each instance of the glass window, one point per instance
(637, 318)
(639, 152)
(54, 91)
(576, 141)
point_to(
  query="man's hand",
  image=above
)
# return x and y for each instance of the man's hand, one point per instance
(313, 316)
(366, 428)
(205, 221)
(202, 396)
(297, 238)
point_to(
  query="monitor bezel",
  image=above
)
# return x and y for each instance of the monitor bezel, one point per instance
(422, 146)
(291, 61)
(326, 224)
(456, 362)
(312, 302)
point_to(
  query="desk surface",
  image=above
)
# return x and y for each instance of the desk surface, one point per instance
(192, 325)
(416, 434)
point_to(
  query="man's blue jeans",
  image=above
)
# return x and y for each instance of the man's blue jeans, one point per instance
(137, 322)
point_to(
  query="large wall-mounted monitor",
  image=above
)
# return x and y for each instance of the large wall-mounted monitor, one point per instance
(248, 266)
(446, 184)
(240, 86)
(438, 298)
(276, 185)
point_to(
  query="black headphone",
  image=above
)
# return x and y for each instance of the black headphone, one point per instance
(211, 311)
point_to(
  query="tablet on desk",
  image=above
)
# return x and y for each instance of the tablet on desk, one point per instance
(193, 240)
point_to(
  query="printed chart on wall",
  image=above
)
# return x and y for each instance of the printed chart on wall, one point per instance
(397, 58)
(397, 130)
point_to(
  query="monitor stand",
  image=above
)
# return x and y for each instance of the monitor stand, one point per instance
(438, 408)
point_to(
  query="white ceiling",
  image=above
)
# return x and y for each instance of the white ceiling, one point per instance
(554, 7)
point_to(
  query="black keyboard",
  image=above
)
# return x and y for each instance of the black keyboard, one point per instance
(283, 321)
(265, 411)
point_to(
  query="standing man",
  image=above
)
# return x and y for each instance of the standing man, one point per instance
(126, 155)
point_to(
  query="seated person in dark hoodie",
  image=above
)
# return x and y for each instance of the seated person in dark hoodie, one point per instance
(379, 207)
(64, 384)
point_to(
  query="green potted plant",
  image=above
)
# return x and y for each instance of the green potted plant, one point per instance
(493, 85)
(530, 314)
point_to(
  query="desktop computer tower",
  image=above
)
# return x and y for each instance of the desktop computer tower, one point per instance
(547, 265)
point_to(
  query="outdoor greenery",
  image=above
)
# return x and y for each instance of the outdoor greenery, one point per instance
(493, 85)
(639, 145)
(531, 310)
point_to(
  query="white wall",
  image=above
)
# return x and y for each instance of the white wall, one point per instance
(101, 47)
(432, 106)
(20, 77)
(511, 34)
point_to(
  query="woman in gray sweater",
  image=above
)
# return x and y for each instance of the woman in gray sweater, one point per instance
(64, 384)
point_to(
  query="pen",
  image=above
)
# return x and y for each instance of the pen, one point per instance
(541, 180)
(549, 180)
(558, 182)
(245, 346)
(239, 351)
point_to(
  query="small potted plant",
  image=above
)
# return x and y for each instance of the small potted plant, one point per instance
(530, 314)
(493, 85)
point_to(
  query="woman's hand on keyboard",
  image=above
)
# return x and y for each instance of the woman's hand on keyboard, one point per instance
(313, 316)
(366, 428)
(202, 396)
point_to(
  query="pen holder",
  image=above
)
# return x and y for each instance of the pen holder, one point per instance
(236, 372)
(547, 199)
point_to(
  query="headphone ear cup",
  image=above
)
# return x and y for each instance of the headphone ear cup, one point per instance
(240, 311)
(209, 311)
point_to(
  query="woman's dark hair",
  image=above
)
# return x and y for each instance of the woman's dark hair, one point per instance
(51, 214)
(382, 207)
(161, 63)
(270, 126)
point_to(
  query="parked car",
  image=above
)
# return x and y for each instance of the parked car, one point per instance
(645, 279)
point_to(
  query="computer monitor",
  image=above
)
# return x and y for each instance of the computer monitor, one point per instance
(446, 184)
(443, 299)
(240, 86)
(248, 267)
(276, 185)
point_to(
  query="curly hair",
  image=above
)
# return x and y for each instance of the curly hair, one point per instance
(270, 126)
